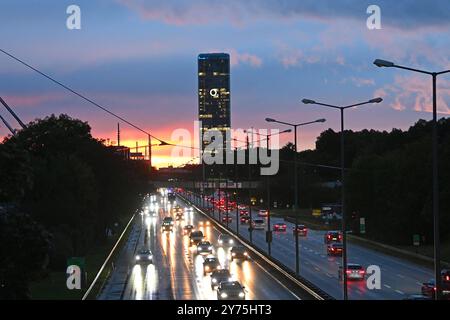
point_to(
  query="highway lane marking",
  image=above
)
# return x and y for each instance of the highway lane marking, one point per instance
(387, 286)
(401, 276)
(278, 281)
(399, 292)
(419, 283)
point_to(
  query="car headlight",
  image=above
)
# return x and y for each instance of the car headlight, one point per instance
(223, 295)
(231, 241)
(233, 254)
(241, 294)
(230, 279)
(214, 280)
(245, 254)
(138, 258)
(150, 257)
(210, 248)
(220, 241)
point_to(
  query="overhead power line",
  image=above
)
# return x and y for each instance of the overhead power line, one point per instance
(82, 96)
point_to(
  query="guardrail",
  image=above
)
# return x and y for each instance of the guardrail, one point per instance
(107, 261)
(304, 284)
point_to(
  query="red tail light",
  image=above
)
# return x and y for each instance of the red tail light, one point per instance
(447, 278)
(348, 271)
(361, 272)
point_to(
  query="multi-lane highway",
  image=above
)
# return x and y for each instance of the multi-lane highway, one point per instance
(399, 278)
(177, 270)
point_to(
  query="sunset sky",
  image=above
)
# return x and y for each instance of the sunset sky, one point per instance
(139, 58)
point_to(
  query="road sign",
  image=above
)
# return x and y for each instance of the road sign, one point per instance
(317, 212)
(362, 225)
(416, 240)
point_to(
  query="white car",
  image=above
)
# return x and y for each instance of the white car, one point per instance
(225, 240)
(259, 224)
(205, 247)
(144, 256)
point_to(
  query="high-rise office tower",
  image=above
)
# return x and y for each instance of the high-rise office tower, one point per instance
(214, 93)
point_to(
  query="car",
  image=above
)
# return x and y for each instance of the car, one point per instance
(259, 224)
(279, 226)
(227, 218)
(354, 272)
(230, 290)
(301, 230)
(177, 209)
(239, 252)
(335, 249)
(167, 227)
(195, 237)
(211, 264)
(168, 220)
(263, 213)
(242, 207)
(204, 247)
(187, 229)
(225, 240)
(445, 276)
(171, 196)
(429, 288)
(243, 212)
(179, 216)
(333, 236)
(143, 256)
(219, 276)
(202, 223)
(244, 219)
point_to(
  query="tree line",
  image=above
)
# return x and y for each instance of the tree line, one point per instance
(61, 192)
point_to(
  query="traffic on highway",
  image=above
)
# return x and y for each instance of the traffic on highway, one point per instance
(180, 254)
(320, 255)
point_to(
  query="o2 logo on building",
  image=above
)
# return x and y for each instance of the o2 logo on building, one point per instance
(214, 93)
(74, 273)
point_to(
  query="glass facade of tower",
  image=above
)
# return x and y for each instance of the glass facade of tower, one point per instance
(214, 92)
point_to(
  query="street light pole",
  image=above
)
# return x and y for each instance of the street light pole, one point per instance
(436, 228)
(343, 214)
(297, 247)
(269, 231)
(250, 228)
